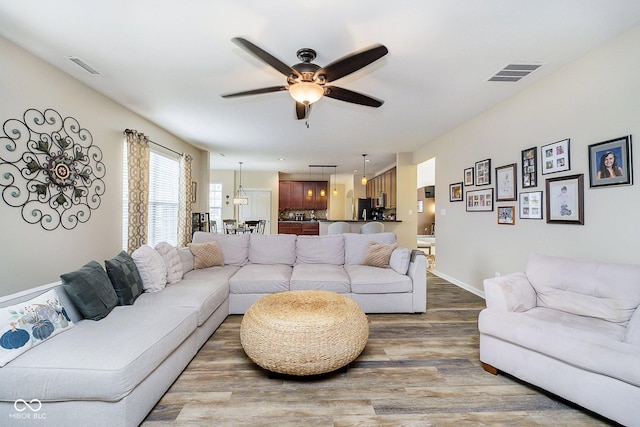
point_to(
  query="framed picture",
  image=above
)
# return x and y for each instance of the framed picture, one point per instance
(555, 157)
(483, 172)
(565, 199)
(610, 163)
(420, 206)
(194, 191)
(530, 167)
(506, 215)
(531, 205)
(455, 192)
(468, 177)
(480, 200)
(506, 183)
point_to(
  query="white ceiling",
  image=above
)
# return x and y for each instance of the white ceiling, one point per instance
(169, 61)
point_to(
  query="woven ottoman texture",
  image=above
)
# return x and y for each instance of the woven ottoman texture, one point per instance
(304, 332)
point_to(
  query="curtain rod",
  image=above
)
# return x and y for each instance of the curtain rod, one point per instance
(166, 148)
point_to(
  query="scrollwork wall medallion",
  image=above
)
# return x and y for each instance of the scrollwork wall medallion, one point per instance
(50, 169)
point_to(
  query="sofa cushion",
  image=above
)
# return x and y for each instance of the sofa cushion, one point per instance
(206, 254)
(327, 249)
(151, 267)
(171, 260)
(32, 322)
(355, 245)
(272, 249)
(125, 278)
(125, 347)
(373, 280)
(400, 260)
(202, 295)
(587, 288)
(378, 254)
(261, 279)
(632, 333)
(235, 247)
(581, 341)
(90, 290)
(323, 277)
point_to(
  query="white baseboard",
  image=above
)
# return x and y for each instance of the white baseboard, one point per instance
(457, 282)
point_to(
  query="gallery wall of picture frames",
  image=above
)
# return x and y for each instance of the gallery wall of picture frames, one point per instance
(562, 200)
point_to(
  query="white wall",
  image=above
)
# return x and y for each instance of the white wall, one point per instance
(29, 255)
(591, 100)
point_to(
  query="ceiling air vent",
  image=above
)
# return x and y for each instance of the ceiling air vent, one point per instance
(88, 68)
(514, 72)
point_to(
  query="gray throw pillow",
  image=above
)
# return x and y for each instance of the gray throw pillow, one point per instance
(89, 288)
(125, 278)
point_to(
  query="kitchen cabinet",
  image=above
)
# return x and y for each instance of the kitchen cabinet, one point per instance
(284, 195)
(384, 183)
(295, 195)
(299, 228)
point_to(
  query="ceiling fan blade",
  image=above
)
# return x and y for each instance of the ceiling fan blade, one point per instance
(265, 57)
(255, 91)
(351, 96)
(352, 62)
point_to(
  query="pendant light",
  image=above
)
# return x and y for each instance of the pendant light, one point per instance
(309, 191)
(364, 169)
(241, 197)
(323, 192)
(335, 183)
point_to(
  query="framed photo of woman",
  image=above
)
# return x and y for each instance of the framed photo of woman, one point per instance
(610, 163)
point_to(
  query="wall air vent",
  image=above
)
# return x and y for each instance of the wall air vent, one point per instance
(88, 68)
(514, 72)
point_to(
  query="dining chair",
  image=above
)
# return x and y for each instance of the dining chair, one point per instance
(213, 227)
(251, 226)
(261, 225)
(230, 226)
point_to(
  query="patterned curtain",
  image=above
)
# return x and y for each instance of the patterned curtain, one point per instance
(138, 164)
(184, 201)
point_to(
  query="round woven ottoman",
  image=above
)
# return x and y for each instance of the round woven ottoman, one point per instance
(304, 332)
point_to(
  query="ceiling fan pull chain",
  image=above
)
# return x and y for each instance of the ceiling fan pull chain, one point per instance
(307, 111)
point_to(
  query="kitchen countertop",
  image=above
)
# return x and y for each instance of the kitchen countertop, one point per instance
(359, 220)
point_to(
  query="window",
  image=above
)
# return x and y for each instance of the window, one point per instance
(164, 181)
(215, 204)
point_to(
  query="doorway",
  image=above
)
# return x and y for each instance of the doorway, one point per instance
(259, 207)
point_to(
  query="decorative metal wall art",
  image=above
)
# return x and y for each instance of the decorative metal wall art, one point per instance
(50, 169)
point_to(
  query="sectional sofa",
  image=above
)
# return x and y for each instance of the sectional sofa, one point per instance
(61, 368)
(569, 326)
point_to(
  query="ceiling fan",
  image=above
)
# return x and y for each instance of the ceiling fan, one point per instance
(307, 82)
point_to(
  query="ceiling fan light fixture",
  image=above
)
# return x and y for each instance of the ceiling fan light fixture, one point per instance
(306, 92)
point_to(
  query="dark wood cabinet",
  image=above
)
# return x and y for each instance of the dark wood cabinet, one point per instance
(299, 228)
(303, 195)
(296, 195)
(284, 197)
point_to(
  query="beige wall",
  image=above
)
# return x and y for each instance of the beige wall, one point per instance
(29, 255)
(591, 100)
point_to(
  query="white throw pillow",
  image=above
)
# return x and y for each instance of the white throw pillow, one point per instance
(151, 268)
(400, 259)
(29, 323)
(171, 260)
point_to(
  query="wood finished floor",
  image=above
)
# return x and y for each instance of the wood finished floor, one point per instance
(416, 370)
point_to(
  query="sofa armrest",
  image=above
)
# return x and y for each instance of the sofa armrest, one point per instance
(418, 274)
(511, 292)
(632, 333)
